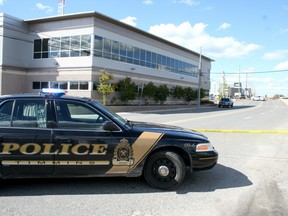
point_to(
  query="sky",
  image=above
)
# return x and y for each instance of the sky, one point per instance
(248, 39)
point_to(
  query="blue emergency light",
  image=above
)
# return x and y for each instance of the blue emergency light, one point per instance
(53, 92)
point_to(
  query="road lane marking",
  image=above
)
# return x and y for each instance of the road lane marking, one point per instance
(243, 131)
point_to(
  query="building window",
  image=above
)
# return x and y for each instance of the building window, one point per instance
(95, 85)
(136, 55)
(74, 85)
(98, 46)
(148, 59)
(85, 45)
(61, 47)
(65, 47)
(40, 48)
(59, 85)
(115, 50)
(118, 51)
(142, 57)
(36, 85)
(63, 85)
(75, 46)
(107, 49)
(123, 52)
(45, 48)
(39, 85)
(44, 85)
(37, 48)
(129, 50)
(84, 85)
(54, 84)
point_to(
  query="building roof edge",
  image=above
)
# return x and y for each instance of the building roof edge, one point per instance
(116, 22)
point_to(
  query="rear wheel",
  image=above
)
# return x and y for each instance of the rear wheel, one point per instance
(164, 170)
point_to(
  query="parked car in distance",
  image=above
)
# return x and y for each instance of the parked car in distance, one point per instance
(258, 98)
(226, 102)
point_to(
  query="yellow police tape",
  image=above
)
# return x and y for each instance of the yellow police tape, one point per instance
(243, 131)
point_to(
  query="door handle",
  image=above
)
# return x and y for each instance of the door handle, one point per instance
(62, 139)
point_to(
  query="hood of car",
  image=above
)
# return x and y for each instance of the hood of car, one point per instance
(169, 130)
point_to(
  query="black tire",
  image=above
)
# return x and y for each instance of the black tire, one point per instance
(170, 164)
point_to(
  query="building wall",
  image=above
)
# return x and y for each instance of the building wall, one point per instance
(19, 66)
(14, 42)
(13, 81)
(14, 54)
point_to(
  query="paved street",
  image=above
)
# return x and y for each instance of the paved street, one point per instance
(250, 178)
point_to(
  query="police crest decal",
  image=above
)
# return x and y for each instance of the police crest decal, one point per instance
(123, 154)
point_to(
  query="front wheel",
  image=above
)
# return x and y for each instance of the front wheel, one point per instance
(164, 170)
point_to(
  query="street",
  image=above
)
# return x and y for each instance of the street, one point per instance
(249, 179)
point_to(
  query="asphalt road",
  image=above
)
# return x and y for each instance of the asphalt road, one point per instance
(250, 178)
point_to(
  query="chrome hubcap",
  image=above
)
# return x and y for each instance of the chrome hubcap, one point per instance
(163, 171)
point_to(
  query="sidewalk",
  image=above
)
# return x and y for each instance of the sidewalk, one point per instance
(148, 108)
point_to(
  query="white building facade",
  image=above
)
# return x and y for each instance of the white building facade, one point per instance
(68, 52)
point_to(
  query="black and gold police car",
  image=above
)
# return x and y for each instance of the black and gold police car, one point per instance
(55, 135)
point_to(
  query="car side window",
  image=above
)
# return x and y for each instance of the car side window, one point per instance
(75, 115)
(29, 113)
(5, 114)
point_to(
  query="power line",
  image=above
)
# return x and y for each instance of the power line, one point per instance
(253, 72)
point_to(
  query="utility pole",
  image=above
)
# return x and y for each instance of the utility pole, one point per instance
(240, 85)
(199, 81)
(223, 85)
(247, 93)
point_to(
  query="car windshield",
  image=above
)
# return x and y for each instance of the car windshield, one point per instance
(225, 99)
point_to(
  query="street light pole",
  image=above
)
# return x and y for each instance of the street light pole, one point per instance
(199, 80)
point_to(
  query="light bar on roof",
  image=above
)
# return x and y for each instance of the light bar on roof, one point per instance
(53, 91)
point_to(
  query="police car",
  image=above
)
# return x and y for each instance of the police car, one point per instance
(55, 135)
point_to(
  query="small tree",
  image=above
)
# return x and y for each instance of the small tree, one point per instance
(149, 90)
(161, 94)
(104, 86)
(202, 93)
(178, 92)
(127, 89)
(189, 94)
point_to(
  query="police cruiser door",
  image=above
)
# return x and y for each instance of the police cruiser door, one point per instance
(85, 148)
(26, 148)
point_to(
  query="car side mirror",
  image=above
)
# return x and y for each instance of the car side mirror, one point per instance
(110, 126)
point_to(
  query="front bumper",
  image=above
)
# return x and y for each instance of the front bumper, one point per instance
(204, 160)
(224, 104)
